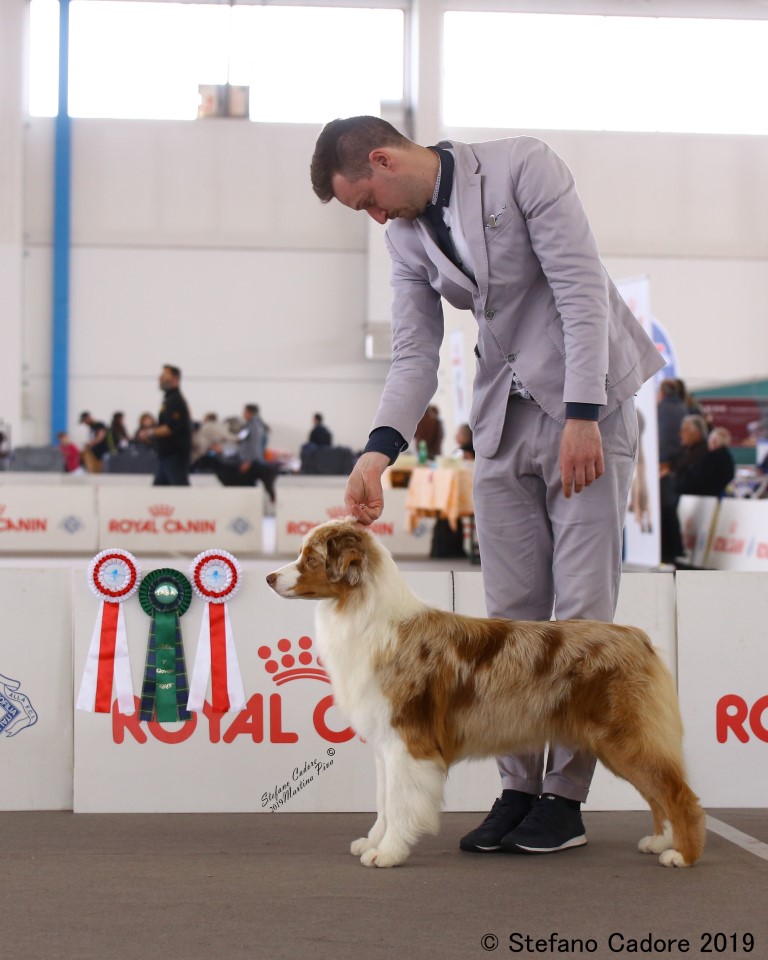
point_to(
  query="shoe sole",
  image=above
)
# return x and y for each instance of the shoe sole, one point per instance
(569, 844)
(474, 848)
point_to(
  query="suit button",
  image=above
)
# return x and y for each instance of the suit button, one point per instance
(490, 314)
(511, 357)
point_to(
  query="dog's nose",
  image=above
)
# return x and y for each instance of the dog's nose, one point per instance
(272, 579)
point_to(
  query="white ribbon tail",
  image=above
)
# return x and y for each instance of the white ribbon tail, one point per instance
(86, 699)
(198, 684)
(234, 678)
(123, 681)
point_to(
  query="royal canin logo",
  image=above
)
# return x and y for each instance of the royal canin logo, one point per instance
(161, 510)
(295, 666)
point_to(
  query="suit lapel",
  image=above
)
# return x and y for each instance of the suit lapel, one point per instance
(446, 266)
(468, 182)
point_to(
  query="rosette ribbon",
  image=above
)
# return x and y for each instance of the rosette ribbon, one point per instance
(216, 577)
(165, 596)
(113, 576)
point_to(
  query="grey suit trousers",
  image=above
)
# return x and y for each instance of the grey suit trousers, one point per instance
(543, 555)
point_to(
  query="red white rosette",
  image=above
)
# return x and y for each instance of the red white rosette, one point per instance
(113, 577)
(215, 577)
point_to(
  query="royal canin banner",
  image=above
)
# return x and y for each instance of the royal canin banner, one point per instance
(154, 520)
(304, 502)
(47, 519)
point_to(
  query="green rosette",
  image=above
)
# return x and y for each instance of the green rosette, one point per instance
(165, 596)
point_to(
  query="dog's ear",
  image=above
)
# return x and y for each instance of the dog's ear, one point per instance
(345, 559)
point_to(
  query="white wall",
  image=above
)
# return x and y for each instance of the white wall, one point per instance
(201, 244)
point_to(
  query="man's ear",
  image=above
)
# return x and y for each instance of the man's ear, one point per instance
(381, 158)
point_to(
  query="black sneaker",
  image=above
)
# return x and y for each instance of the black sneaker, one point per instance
(553, 824)
(509, 810)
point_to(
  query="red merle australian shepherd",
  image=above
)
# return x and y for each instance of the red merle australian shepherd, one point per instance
(429, 688)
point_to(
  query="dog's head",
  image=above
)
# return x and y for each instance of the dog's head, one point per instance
(334, 561)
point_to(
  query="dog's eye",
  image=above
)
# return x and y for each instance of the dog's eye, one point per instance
(311, 561)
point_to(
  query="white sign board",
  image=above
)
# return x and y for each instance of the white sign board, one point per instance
(187, 520)
(740, 537)
(47, 519)
(36, 689)
(723, 685)
(302, 506)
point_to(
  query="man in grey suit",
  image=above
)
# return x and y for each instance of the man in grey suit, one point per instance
(497, 228)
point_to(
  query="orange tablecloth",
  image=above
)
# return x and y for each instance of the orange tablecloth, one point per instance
(440, 492)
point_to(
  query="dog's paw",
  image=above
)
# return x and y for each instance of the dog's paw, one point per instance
(672, 858)
(378, 857)
(358, 847)
(658, 843)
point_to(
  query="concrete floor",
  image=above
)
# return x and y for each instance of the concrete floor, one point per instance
(274, 886)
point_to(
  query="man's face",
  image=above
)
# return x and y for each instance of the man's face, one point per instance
(385, 195)
(689, 434)
(167, 379)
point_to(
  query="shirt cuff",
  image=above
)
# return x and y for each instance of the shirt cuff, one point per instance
(388, 441)
(582, 411)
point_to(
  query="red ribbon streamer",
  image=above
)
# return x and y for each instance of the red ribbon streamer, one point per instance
(106, 670)
(219, 691)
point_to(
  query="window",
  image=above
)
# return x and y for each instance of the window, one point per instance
(146, 60)
(568, 72)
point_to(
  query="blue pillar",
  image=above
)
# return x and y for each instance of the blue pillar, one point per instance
(61, 239)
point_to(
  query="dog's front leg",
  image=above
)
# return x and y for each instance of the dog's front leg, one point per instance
(413, 796)
(378, 829)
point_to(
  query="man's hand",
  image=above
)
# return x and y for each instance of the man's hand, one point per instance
(581, 455)
(363, 497)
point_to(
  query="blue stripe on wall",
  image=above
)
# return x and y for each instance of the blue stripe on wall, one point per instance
(61, 239)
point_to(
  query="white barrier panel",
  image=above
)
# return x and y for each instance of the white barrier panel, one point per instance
(723, 685)
(303, 503)
(290, 749)
(154, 520)
(740, 537)
(697, 516)
(47, 519)
(646, 601)
(36, 689)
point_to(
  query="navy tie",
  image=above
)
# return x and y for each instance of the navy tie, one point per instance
(434, 211)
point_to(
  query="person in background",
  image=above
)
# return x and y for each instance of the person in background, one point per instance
(320, 435)
(705, 467)
(498, 228)
(143, 435)
(172, 437)
(464, 448)
(210, 439)
(96, 446)
(430, 430)
(69, 452)
(117, 435)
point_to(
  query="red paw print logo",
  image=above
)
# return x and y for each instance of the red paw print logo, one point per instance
(295, 666)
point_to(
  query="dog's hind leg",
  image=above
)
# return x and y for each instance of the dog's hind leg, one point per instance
(413, 796)
(679, 823)
(378, 829)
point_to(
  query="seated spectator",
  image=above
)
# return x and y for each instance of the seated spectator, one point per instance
(430, 430)
(212, 438)
(69, 452)
(248, 466)
(320, 435)
(464, 446)
(96, 446)
(146, 422)
(117, 435)
(709, 471)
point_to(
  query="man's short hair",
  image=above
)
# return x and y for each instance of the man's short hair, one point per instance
(344, 147)
(252, 408)
(175, 371)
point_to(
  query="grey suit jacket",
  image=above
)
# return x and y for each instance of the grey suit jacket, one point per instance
(549, 318)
